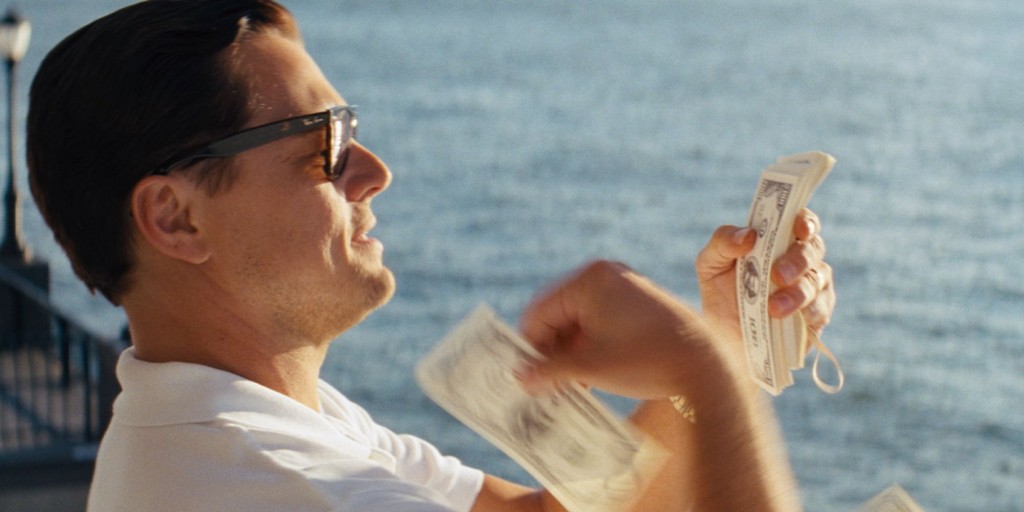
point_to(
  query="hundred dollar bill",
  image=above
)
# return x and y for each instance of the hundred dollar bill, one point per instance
(893, 499)
(587, 457)
(776, 347)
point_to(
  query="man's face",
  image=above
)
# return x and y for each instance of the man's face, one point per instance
(289, 244)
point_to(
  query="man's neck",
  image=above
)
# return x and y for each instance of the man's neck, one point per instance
(200, 331)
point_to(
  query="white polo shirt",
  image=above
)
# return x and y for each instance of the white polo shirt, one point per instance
(186, 437)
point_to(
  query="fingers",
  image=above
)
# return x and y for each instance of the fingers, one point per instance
(542, 376)
(803, 277)
(812, 285)
(614, 329)
(726, 245)
(806, 224)
(551, 323)
(800, 257)
(556, 320)
(555, 313)
(805, 255)
(818, 312)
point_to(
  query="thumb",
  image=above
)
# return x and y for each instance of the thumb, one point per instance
(726, 245)
(544, 376)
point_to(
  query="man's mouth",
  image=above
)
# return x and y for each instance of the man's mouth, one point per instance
(362, 233)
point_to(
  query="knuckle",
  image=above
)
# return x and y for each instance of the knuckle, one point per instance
(812, 313)
(723, 232)
(600, 268)
(826, 273)
(812, 217)
(801, 256)
(808, 290)
(817, 314)
(819, 243)
(816, 245)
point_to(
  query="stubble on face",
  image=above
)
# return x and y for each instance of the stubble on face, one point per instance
(324, 311)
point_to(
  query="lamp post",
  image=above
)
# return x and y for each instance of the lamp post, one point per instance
(18, 315)
(14, 35)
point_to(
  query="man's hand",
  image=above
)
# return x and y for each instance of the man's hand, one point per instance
(613, 329)
(803, 277)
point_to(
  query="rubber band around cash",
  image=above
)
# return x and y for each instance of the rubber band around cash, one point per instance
(815, 342)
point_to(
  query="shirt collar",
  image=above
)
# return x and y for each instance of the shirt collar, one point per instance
(157, 394)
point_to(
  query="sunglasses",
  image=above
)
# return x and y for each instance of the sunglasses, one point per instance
(340, 122)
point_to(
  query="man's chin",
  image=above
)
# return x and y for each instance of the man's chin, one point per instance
(386, 289)
(380, 290)
(374, 289)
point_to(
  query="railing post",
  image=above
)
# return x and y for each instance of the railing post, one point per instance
(87, 386)
(57, 384)
(64, 352)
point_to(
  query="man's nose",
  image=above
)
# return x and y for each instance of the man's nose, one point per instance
(365, 175)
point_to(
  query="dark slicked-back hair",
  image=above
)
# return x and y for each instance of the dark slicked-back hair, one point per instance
(120, 97)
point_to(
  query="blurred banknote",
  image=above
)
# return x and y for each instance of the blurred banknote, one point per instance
(588, 458)
(893, 499)
(777, 347)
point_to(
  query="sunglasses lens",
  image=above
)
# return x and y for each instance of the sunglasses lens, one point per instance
(341, 133)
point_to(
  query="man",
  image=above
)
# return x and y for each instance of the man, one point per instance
(201, 172)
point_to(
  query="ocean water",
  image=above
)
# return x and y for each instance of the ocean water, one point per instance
(528, 137)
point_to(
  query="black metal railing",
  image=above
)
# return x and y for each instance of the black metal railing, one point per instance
(57, 381)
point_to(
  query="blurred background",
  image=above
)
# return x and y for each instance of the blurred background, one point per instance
(527, 137)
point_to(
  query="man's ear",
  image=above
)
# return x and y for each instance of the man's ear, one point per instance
(161, 208)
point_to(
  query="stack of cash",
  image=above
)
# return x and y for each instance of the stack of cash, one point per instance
(893, 499)
(775, 348)
(586, 456)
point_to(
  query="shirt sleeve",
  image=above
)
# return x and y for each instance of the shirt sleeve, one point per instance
(417, 461)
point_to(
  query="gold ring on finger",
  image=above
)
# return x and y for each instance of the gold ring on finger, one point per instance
(817, 278)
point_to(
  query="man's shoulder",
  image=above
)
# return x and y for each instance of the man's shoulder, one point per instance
(227, 465)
